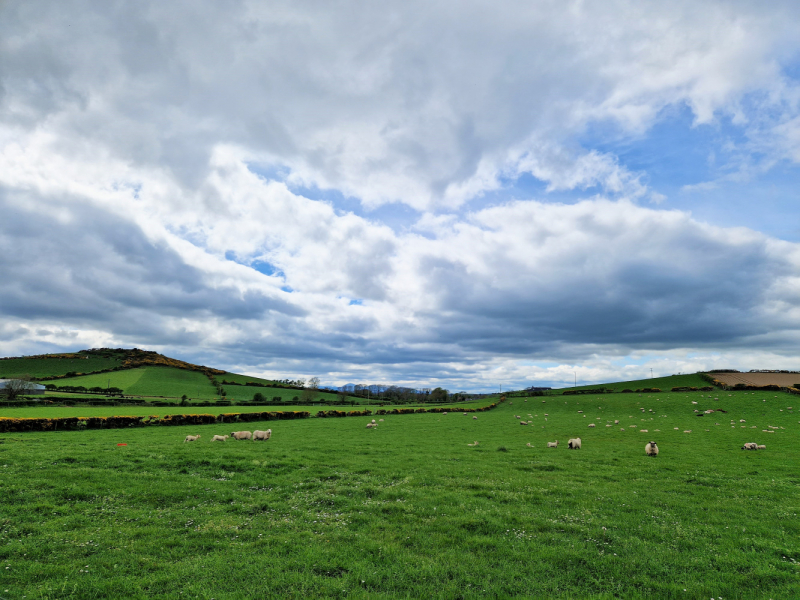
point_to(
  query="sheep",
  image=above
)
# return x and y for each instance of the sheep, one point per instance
(241, 435)
(750, 446)
(262, 435)
(476, 418)
(373, 420)
(523, 422)
(474, 444)
(529, 445)
(219, 438)
(651, 449)
(616, 421)
(591, 424)
(381, 420)
(191, 438)
(552, 444)
(574, 444)
(517, 417)
(761, 447)
(371, 425)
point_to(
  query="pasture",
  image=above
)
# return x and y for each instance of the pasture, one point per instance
(327, 508)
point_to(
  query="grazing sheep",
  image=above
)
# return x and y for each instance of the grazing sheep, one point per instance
(381, 420)
(474, 444)
(552, 444)
(750, 446)
(591, 424)
(373, 420)
(517, 417)
(651, 449)
(191, 438)
(476, 418)
(761, 447)
(371, 425)
(574, 444)
(616, 421)
(241, 435)
(523, 422)
(219, 438)
(262, 435)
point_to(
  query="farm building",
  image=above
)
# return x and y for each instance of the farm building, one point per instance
(34, 389)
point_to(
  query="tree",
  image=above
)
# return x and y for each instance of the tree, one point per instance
(14, 388)
(311, 389)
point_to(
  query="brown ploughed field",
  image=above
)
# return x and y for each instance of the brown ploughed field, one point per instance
(781, 379)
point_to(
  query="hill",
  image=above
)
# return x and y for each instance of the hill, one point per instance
(663, 383)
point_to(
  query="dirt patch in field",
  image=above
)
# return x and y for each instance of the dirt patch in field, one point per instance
(781, 379)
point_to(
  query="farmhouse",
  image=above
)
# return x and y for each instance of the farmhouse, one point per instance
(32, 389)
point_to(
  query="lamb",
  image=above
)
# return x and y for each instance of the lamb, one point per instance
(191, 438)
(651, 449)
(750, 446)
(616, 421)
(371, 425)
(262, 435)
(474, 444)
(219, 438)
(476, 418)
(574, 444)
(241, 435)
(381, 420)
(761, 447)
(591, 424)
(373, 420)
(552, 444)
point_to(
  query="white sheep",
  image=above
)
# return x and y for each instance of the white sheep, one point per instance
(191, 438)
(529, 445)
(574, 444)
(371, 425)
(474, 444)
(241, 435)
(381, 420)
(262, 435)
(750, 446)
(373, 420)
(591, 424)
(651, 449)
(219, 438)
(761, 447)
(616, 421)
(552, 444)
(476, 418)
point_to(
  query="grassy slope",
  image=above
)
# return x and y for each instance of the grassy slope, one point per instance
(43, 367)
(663, 383)
(242, 378)
(149, 381)
(327, 508)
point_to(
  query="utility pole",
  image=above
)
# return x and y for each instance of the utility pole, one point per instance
(576, 379)
(651, 372)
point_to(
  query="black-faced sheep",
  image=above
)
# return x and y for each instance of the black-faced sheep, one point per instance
(651, 449)
(574, 444)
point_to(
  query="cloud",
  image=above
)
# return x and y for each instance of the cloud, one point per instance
(418, 104)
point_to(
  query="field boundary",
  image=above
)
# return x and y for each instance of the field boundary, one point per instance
(16, 425)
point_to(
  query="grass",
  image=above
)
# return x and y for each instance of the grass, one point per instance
(43, 367)
(327, 508)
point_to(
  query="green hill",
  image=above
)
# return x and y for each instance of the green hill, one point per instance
(663, 383)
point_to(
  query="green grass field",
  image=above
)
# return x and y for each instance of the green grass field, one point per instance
(662, 383)
(149, 381)
(327, 508)
(44, 367)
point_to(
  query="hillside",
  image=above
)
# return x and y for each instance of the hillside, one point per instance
(663, 383)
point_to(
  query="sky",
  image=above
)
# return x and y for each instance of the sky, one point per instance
(458, 194)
